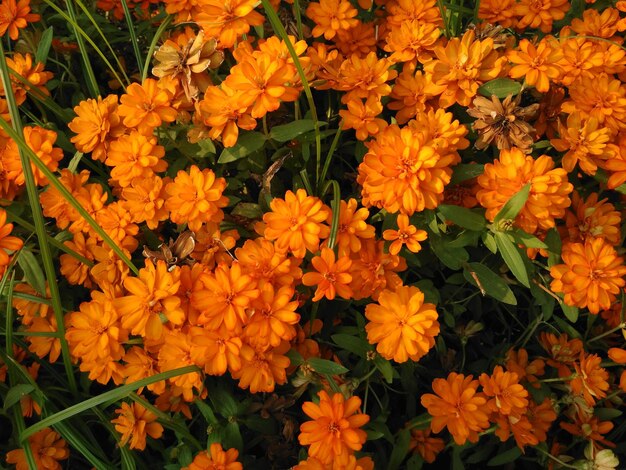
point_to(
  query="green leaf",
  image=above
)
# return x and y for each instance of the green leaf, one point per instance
(553, 241)
(247, 143)
(400, 449)
(526, 239)
(223, 402)
(232, 437)
(501, 87)
(353, 344)
(322, 366)
(453, 258)
(15, 393)
(295, 357)
(512, 257)
(490, 242)
(505, 457)
(206, 411)
(493, 284)
(32, 271)
(385, 368)
(466, 171)
(607, 414)
(287, 132)
(248, 210)
(335, 205)
(44, 46)
(571, 313)
(514, 205)
(463, 217)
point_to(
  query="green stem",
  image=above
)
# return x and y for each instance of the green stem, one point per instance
(92, 83)
(621, 326)
(152, 47)
(559, 461)
(133, 36)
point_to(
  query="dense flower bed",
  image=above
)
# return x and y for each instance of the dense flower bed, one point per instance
(312, 234)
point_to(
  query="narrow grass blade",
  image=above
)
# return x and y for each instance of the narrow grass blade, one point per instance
(40, 229)
(280, 30)
(104, 38)
(111, 396)
(335, 206)
(81, 36)
(159, 32)
(133, 36)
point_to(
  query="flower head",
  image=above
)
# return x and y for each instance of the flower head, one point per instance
(227, 20)
(458, 406)
(146, 106)
(134, 423)
(591, 275)
(216, 458)
(333, 432)
(406, 234)
(331, 16)
(47, 447)
(15, 15)
(331, 277)
(401, 325)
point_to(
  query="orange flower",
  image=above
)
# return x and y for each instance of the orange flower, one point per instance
(362, 117)
(508, 396)
(458, 407)
(261, 370)
(592, 275)
(406, 234)
(144, 200)
(603, 24)
(225, 111)
(585, 142)
(34, 76)
(589, 218)
(215, 459)
(352, 227)
(331, 16)
(517, 362)
(55, 205)
(589, 427)
(549, 191)
(590, 378)
(405, 11)
(331, 277)
(44, 345)
(135, 156)
(600, 96)
(116, 222)
(8, 243)
(498, 12)
(48, 448)
(140, 365)
(296, 223)
(273, 317)
(95, 124)
(195, 197)
(176, 352)
(462, 66)
(134, 423)
(563, 352)
(215, 350)
(260, 260)
(223, 296)
(146, 106)
(412, 91)
(535, 64)
(360, 39)
(427, 447)
(264, 80)
(373, 270)
(333, 432)
(365, 77)
(412, 41)
(540, 14)
(616, 165)
(14, 16)
(227, 20)
(95, 333)
(580, 58)
(401, 325)
(41, 141)
(152, 301)
(401, 172)
(76, 272)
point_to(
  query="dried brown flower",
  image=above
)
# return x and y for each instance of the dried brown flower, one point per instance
(175, 252)
(188, 63)
(503, 122)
